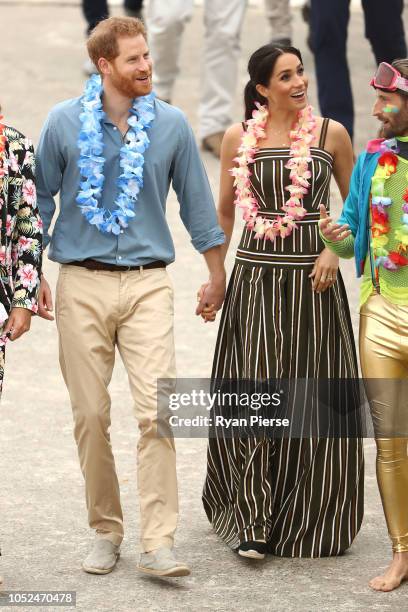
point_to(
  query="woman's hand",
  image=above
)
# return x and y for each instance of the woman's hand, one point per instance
(208, 312)
(324, 273)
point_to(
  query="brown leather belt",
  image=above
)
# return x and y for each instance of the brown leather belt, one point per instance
(92, 264)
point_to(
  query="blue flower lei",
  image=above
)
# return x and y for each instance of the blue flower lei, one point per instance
(91, 161)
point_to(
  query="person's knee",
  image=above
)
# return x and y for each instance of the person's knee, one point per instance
(392, 451)
(329, 37)
(171, 19)
(92, 423)
(156, 426)
(328, 29)
(222, 31)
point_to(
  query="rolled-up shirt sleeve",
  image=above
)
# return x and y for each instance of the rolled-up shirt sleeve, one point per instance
(190, 182)
(50, 167)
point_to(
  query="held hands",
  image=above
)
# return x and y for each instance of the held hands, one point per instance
(210, 298)
(324, 273)
(332, 231)
(45, 300)
(208, 313)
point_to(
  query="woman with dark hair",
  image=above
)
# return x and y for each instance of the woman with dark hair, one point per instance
(286, 316)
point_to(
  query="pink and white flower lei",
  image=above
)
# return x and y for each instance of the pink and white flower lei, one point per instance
(301, 138)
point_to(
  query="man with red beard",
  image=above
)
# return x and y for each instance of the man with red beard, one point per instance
(373, 228)
(112, 154)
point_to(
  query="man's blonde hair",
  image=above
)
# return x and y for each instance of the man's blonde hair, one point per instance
(103, 41)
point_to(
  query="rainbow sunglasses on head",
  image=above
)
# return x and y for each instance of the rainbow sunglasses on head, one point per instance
(388, 78)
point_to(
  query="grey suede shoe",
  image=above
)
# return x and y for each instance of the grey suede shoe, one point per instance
(102, 558)
(162, 562)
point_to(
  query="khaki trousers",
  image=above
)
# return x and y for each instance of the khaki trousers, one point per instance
(97, 311)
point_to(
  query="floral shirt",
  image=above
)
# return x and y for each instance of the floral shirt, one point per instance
(20, 227)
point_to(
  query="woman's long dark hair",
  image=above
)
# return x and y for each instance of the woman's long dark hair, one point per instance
(260, 68)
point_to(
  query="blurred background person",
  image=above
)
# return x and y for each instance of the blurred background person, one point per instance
(306, 18)
(278, 13)
(96, 10)
(384, 29)
(222, 21)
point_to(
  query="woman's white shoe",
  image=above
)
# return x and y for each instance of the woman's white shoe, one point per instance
(251, 554)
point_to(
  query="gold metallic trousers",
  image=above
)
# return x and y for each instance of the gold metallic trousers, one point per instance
(384, 364)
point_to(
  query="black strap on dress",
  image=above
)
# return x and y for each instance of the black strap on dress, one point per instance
(323, 133)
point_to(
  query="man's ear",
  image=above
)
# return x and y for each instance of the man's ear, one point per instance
(103, 66)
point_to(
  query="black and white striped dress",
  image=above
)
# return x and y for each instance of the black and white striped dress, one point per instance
(302, 496)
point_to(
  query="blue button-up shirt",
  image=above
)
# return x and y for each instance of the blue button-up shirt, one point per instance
(172, 157)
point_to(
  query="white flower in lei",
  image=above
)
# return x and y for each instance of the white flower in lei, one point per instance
(91, 161)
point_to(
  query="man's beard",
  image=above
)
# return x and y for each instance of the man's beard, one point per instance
(392, 131)
(127, 86)
(399, 127)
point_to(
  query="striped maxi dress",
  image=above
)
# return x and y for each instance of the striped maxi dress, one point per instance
(304, 496)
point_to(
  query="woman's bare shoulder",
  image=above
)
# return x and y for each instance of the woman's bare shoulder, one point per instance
(233, 133)
(232, 139)
(337, 136)
(336, 129)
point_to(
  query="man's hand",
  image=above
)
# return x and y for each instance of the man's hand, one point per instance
(45, 301)
(332, 231)
(324, 273)
(210, 298)
(18, 323)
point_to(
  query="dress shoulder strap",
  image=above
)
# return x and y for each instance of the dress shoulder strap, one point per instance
(323, 133)
(243, 125)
